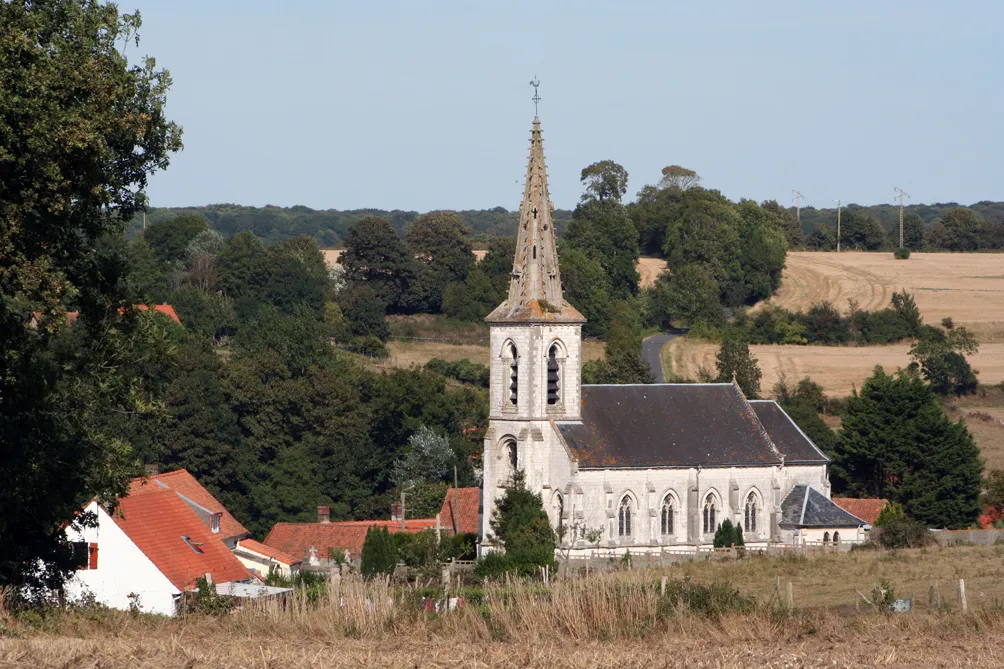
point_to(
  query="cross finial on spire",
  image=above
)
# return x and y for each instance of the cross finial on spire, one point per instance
(535, 82)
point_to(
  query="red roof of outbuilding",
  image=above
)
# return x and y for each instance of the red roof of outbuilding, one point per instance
(159, 522)
(186, 485)
(867, 508)
(468, 502)
(298, 538)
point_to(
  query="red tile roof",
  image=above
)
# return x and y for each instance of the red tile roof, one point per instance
(298, 538)
(165, 309)
(867, 509)
(157, 522)
(183, 483)
(268, 551)
(468, 501)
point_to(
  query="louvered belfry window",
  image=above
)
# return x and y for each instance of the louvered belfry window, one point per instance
(553, 376)
(513, 376)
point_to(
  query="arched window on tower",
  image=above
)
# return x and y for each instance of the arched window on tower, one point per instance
(667, 515)
(553, 376)
(512, 454)
(559, 510)
(513, 375)
(709, 514)
(624, 518)
(749, 518)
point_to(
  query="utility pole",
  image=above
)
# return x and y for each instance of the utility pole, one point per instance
(839, 203)
(901, 194)
(797, 197)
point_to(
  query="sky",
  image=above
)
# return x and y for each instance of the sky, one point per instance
(427, 105)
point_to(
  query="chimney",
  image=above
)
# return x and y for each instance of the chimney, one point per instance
(324, 514)
(396, 512)
(209, 577)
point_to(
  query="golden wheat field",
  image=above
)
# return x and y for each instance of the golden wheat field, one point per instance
(967, 287)
(618, 619)
(837, 368)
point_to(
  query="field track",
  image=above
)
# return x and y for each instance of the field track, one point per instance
(967, 287)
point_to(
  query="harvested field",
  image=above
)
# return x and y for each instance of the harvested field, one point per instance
(967, 287)
(837, 368)
(984, 415)
(608, 620)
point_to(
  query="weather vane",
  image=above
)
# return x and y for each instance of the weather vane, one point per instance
(535, 82)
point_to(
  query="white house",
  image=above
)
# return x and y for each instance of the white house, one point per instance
(647, 467)
(147, 552)
(261, 559)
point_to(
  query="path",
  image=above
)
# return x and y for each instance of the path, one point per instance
(651, 352)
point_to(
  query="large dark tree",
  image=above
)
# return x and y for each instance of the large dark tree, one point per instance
(960, 229)
(604, 232)
(604, 180)
(169, 238)
(735, 362)
(440, 243)
(896, 443)
(80, 130)
(376, 255)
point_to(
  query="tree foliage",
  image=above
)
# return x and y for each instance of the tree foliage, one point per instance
(521, 525)
(896, 443)
(735, 362)
(80, 131)
(379, 556)
(604, 180)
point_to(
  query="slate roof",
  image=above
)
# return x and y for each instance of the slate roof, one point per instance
(469, 508)
(867, 509)
(296, 539)
(786, 435)
(667, 425)
(804, 506)
(157, 522)
(192, 492)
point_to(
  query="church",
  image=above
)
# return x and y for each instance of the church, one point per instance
(634, 468)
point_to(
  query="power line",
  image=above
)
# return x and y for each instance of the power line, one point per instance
(839, 203)
(901, 195)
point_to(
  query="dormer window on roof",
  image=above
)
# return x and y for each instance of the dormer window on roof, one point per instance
(196, 546)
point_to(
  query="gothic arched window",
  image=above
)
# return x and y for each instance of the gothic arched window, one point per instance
(836, 537)
(750, 516)
(512, 454)
(826, 537)
(624, 518)
(667, 515)
(559, 510)
(513, 375)
(709, 514)
(553, 376)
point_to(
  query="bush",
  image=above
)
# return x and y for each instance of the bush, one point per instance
(902, 532)
(703, 600)
(369, 345)
(464, 371)
(901, 254)
(728, 535)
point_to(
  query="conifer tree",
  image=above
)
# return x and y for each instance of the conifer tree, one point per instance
(379, 553)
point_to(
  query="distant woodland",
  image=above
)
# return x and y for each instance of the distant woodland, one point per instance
(328, 227)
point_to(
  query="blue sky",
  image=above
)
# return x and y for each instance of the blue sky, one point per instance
(426, 105)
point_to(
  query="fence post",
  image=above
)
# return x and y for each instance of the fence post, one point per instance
(662, 589)
(962, 595)
(936, 596)
(791, 599)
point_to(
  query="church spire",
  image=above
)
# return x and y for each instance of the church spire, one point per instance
(535, 287)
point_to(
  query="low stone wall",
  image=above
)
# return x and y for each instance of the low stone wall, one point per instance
(975, 537)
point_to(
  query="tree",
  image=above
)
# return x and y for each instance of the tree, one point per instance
(651, 214)
(375, 254)
(764, 248)
(686, 296)
(623, 363)
(788, 222)
(364, 309)
(379, 553)
(734, 361)
(913, 232)
(860, 231)
(521, 525)
(604, 232)
(242, 267)
(822, 238)
(605, 180)
(428, 459)
(940, 353)
(170, 238)
(80, 131)
(441, 242)
(585, 286)
(961, 229)
(803, 403)
(728, 535)
(896, 443)
(675, 176)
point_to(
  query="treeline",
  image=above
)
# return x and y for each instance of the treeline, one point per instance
(955, 229)
(259, 405)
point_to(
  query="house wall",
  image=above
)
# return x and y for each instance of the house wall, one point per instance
(261, 563)
(122, 569)
(815, 535)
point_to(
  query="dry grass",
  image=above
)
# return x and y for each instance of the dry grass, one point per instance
(608, 620)
(967, 287)
(984, 415)
(837, 368)
(404, 354)
(650, 269)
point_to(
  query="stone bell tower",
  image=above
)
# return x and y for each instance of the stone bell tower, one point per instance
(536, 349)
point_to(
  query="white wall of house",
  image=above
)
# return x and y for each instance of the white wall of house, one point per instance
(122, 569)
(261, 563)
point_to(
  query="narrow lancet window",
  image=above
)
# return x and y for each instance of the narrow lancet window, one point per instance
(513, 376)
(709, 515)
(624, 518)
(667, 515)
(751, 512)
(553, 376)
